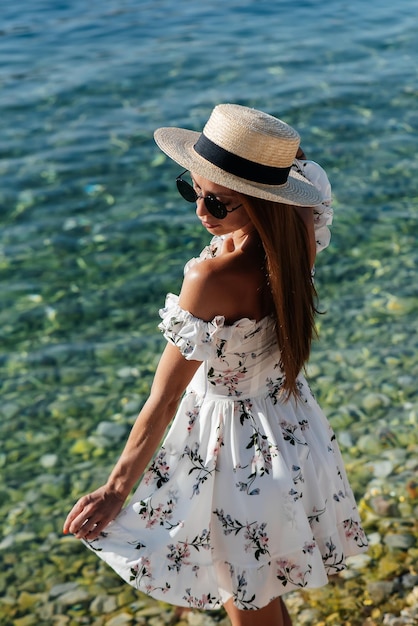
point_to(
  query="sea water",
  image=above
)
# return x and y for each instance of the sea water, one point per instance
(93, 233)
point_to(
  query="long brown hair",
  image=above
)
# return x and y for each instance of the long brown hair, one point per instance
(285, 240)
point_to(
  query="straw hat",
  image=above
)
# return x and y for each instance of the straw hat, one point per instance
(244, 150)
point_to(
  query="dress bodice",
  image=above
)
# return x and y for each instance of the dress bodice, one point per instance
(238, 358)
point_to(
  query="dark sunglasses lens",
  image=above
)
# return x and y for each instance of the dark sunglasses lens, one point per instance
(186, 190)
(215, 208)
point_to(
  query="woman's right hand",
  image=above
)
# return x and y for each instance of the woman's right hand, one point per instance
(92, 513)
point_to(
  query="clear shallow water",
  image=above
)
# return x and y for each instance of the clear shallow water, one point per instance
(93, 234)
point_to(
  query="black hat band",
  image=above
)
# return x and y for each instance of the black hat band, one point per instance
(239, 166)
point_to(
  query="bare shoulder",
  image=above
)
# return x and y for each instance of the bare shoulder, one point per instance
(227, 285)
(203, 289)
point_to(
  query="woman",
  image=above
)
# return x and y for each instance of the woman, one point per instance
(247, 498)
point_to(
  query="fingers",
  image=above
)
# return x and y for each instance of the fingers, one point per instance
(96, 530)
(84, 527)
(77, 516)
(90, 529)
(82, 519)
(91, 514)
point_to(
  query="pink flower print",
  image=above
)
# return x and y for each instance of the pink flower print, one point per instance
(228, 378)
(300, 577)
(289, 433)
(257, 539)
(355, 532)
(219, 443)
(161, 514)
(274, 388)
(206, 601)
(150, 474)
(301, 394)
(140, 571)
(178, 555)
(192, 415)
(290, 572)
(158, 470)
(316, 514)
(309, 547)
(156, 516)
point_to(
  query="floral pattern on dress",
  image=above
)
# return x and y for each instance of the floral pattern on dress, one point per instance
(355, 532)
(240, 600)
(160, 514)
(275, 389)
(291, 432)
(248, 488)
(256, 539)
(296, 492)
(333, 559)
(263, 450)
(193, 415)
(158, 472)
(198, 469)
(291, 572)
(229, 379)
(206, 601)
(179, 553)
(141, 578)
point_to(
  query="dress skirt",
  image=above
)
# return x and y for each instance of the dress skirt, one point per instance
(247, 498)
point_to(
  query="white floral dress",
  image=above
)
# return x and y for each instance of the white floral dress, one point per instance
(247, 498)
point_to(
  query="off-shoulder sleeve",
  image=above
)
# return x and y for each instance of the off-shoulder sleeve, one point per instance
(322, 219)
(323, 212)
(196, 339)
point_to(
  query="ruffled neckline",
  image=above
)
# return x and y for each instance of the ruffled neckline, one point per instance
(245, 325)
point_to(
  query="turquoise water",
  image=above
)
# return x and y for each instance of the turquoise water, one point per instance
(93, 234)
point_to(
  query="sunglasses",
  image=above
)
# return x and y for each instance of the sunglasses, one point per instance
(213, 205)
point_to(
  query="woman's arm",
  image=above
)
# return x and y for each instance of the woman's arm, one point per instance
(91, 514)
